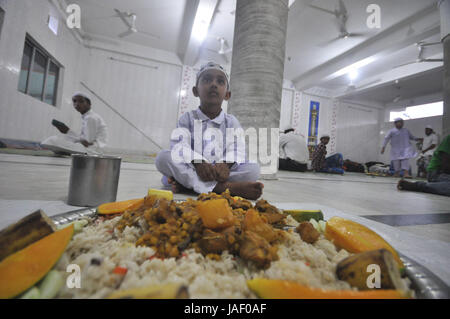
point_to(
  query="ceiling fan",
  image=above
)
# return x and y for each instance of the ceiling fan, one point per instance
(125, 17)
(224, 48)
(341, 17)
(420, 58)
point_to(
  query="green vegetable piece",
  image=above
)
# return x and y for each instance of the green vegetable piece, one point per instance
(32, 293)
(305, 215)
(51, 284)
(77, 225)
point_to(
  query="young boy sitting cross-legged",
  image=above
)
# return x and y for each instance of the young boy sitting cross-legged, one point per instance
(209, 174)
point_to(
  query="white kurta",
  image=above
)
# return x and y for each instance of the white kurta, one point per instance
(293, 146)
(401, 148)
(93, 130)
(428, 141)
(184, 172)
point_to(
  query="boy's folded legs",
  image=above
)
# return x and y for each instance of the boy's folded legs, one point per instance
(242, 180)
(184, 174)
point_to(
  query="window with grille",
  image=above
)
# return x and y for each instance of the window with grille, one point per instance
(39, 73)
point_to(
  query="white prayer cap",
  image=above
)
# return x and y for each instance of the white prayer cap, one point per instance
(213, 66)
(398, 119)
(429, 126)
(85, 95)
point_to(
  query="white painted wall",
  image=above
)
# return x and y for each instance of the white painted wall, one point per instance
(21, 116)
(145, 93)
(358, 132)
(148, 98)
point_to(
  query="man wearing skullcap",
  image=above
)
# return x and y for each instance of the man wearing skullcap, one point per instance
(321, 163)
(293, 151)
(438, 173)
(401, 148)
(430, 142)
(93, 136)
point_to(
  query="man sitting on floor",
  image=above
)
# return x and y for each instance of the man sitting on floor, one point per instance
(293, 152)
(430, 142)
(93, 135)
(321, 163)
(438, 173)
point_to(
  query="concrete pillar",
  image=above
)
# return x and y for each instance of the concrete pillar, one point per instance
(444, 8)
(258, 63)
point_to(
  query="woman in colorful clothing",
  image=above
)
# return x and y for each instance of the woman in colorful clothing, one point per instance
(321, 163)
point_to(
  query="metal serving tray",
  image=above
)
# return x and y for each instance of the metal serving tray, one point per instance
(425, 284)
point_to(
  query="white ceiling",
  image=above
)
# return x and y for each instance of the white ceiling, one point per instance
(308, 50)
(162, 18)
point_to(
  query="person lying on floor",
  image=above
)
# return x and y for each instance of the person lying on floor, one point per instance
(93, 136)
(438, 173)
(321, 163)
(209, 173)
(293, 152)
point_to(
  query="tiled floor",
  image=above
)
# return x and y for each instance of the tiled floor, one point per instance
(39, 178)
(28, 183)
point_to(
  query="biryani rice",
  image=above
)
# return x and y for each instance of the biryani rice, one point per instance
(308, 264)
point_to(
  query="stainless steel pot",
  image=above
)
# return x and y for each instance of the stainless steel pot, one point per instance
(93, 180)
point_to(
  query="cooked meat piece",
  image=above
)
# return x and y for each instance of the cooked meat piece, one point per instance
(263, 206)
(258, 250)
(307, 232)
(274, 218)
(253, 222)
(212, 242)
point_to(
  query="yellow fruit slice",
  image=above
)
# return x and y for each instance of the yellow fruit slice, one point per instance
(280, 289)
(119, 207)
(160, 193)
(356, 238)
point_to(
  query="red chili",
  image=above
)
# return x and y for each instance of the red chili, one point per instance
(120, 270)
(307, 264)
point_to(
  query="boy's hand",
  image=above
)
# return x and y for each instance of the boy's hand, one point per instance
(222, 172)
(205, 171)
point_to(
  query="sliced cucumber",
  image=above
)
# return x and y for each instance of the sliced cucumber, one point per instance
(77, 225)
(51, 284)
(322, 225)
(305, 215)
(315, 224)
(32, 293)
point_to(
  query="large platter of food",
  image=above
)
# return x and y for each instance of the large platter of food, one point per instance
(216, 246)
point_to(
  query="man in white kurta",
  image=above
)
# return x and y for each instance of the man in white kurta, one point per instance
(93, 136)
(294, 153)
(401, 148)
(430, 142)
